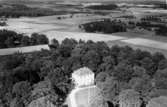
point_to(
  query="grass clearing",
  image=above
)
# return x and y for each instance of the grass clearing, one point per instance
(26, 49)
(144, 48)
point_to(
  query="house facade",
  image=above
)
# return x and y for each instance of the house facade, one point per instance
(83, 77)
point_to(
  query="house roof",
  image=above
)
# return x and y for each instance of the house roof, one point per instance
(83, 71)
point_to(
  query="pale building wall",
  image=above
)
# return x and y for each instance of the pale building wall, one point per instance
(83, 80)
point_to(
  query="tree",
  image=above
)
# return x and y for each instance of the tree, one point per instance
(162, 64)
(12, 39)
(123, 72)
(91, 59)
(34, 38)
(25, 41)
(161, 74)
(67, 46)
(7, 38)
(108, 85)
(14, 61)
(125, 53)
(157, 57)
(161, 31)
(104, 26)
(103, 7)
(102, 49)
(129, 97)
(114, 51)
(157, 93)
(148, 64)
(65, 50)
(142, 85)
(42, 39)
(67, 65)
(69, 42)
(139, 72)
(59, 81)
(47, 66)
(108, 64)
(161, 83)
(21, 88)
(54, 44)
(42, 88)
(47, 101)
(9, 42)
(16, 103)
(116, 69)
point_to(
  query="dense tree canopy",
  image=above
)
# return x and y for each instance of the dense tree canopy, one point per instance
(21, 88)
(27, 77)
(104, 26)
(18, 10)
(103, 7)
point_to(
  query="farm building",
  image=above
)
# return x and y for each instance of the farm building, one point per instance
(85, 93)
(83, 77)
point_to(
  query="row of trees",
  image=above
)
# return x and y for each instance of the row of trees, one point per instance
(27, 77)
(151, 18)
(161, 31)
(3, 24)
(105, 26)
(161, 5)
(9, 39)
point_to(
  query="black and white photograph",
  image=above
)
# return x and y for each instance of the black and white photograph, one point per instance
(83, 53)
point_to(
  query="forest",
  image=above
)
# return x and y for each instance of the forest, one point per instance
(159, 29)
(161, 5)
(18, 10)
(11, 39)
(104, 26)
(27, 77)
(112, 26)
(103, 7)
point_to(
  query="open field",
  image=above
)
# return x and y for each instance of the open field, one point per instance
(49, 23)
(147, 43)
(143, 48)
(144, 44)
(142, 34)
(34, 75)
(23, 49)
(66, 26)
(83, 36)
(141, 12)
